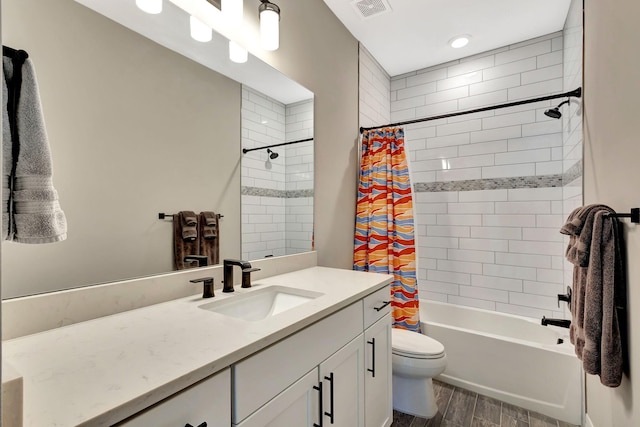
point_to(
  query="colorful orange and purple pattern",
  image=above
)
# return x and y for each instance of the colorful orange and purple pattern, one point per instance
(384, 234)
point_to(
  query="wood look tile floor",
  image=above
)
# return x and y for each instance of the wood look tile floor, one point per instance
(458, 407)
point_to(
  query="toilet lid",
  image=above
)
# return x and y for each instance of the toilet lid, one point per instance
(416, 345)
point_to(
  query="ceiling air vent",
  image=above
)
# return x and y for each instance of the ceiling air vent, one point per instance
(370, 8)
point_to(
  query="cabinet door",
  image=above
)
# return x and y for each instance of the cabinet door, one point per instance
(298, 406)
(377, 384)
(342, 377)
(206, 402)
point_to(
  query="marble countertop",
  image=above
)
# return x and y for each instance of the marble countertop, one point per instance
(102, 371)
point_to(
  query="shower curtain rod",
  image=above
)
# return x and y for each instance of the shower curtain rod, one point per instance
(246, 150)
(577, 93)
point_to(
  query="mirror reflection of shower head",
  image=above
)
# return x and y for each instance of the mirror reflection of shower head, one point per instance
(272, 154)
(555, 113)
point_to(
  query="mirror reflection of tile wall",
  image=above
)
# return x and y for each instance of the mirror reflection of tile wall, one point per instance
(277, 193)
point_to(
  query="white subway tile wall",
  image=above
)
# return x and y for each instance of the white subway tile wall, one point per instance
(374, 92)
(572, 119)
(299, 177)
(496, 248)
(493, 248)
(277, 199)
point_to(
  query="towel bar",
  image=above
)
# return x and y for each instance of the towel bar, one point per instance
(163, 215)
(634, 215)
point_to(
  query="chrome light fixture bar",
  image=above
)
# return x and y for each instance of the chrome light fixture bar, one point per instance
(269, 25)
(226, 17)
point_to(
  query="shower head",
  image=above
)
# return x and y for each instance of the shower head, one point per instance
(272, 154)
(555, 113)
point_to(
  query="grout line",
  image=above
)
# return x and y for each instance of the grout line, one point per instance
(446, 408)
(475, 405)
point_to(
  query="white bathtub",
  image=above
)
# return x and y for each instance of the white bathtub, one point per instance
(507, 357)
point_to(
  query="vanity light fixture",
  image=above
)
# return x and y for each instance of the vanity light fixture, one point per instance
(459, 41)
(199, 30)
(269, 25)
(237, 53)
(150, 6)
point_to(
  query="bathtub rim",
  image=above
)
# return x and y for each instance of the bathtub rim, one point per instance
(565, 348)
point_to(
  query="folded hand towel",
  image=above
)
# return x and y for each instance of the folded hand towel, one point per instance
(209, 240)
(210, 225)
(189, 222)
(184, 247)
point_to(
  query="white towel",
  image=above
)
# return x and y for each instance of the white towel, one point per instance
(36, 214)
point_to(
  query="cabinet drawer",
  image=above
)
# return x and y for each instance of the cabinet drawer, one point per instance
(375, 306)
(297, 406)
(259, 378)
(208, 401)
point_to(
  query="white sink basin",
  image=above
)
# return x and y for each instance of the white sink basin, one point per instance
(261, 303)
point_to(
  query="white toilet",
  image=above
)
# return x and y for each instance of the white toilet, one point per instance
(416, 359)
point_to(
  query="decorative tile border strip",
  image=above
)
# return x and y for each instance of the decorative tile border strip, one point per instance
(298, 194)
(573, 173)
(269, 192)
(543, 181)
(263, 192)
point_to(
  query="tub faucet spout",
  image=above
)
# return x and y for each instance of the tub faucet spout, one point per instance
(563, 323)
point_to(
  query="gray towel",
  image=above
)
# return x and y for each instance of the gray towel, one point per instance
(36, 214)
(595, 329)
(208, 236)
(578, 227)
(183, 247)
(189, 223)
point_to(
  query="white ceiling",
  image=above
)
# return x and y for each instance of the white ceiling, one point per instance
(415, 33)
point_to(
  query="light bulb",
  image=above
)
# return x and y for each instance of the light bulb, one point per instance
(237, 53)
(460, 41)
(233, 10)
(150, 6)
(199, 30)
(270, 27)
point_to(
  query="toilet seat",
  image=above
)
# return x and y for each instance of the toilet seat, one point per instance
(415, 345)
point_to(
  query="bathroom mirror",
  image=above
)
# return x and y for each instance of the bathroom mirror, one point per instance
(277, 176)
(135, 129)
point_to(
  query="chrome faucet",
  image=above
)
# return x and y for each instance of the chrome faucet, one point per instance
(228, 273)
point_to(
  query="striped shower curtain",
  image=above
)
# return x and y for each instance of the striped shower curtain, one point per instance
(384, 235)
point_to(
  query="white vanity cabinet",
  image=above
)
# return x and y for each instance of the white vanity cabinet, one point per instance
(208, 401)
(298, 405)
(377, 383)
(377, 337)
(342, 377)
(320, 375)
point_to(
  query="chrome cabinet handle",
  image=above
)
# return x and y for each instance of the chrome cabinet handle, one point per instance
(330, 379)
(373, 357)
(384, 304)
(320, 412)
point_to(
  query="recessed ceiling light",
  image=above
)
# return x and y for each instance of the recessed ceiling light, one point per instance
(459, 41)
